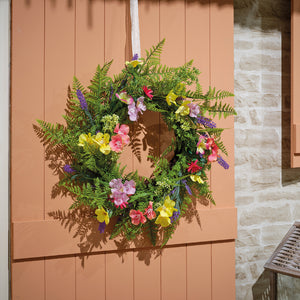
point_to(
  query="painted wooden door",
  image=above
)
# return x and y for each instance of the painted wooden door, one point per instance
(60, 255)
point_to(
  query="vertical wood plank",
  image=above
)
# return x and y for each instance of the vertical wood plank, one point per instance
(172, 27)
(119, 276)
(295, 89)
(89, 38)
(147, 128)
(223, 271)
(60, 278)
(27, 100)
(173, 273)
(197, 38)
(146, 275)
(28, 281)
(198, 272)
(59, 71)
(221, 20)
(90, 277)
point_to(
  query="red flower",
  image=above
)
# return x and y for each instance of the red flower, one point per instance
(148, 92)
(193, 167)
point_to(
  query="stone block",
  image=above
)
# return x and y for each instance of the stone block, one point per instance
(247, 82)
(272, 118)
(261, 215)
(243, 45)
(256, 117)
(243, 199)
(248, 237)
(261, 161)
(271, 83)
(263, 179)
(273, 234)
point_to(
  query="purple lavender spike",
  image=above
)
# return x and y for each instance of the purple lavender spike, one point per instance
(175, 216)
(69, 169)
(206, 122)
(135, 56)
(101, 227)
(187, 187)
(82, 100)
(222, 162)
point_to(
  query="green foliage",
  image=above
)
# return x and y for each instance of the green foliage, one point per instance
(93, 167)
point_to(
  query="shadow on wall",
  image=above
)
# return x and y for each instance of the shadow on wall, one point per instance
(267, 16)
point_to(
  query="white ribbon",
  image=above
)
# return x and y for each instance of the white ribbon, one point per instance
(135, 28)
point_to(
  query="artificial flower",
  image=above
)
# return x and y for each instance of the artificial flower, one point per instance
(194, 109)
(196, 178)
(201, 145)
(102, 215)
(124, 97)
(120, 199)
(120, 191)
(134, 62)
(171, 98)
(101, 227)
(133, 109)
(148, 92)
(82, 100)
(175, 216)
(149, 212)
(69, 169)
(183, 109)
(193, 167)
(85, 138)
(116, 143)
(129, 187)
(213, 156)
(163, 221)
(166, 210)
(102, 141)
(137, 217)
(123, 131)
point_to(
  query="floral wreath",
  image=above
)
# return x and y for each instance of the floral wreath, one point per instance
(97, 131)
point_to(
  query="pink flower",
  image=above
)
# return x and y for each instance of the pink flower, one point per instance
(116, 143)
(123, 132)
(213, 156)
(194, 110)
(119, 199)
(124, 97)
(148, 92)
(137, 217)
(129, 187)
(116, 184)
(149, 212)
(193, 167)
(134, 110)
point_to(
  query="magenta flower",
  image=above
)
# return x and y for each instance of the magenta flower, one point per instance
(148, 92)
(149, 212)
(193, 167)
(137, 217)
(194, 109)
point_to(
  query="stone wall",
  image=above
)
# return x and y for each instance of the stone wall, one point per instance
(267, 190)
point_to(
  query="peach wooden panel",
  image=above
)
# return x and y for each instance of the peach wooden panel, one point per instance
(295, 93)
(90, 277)
(28, 280)
(173, 273)
(198, 271)
(119, 276)
(172, 28)
(146, 268)
(59, 71)
(54, 239)
(221, 61)
(60, 278)
(223, 271)
(27, 93)
(89, 38)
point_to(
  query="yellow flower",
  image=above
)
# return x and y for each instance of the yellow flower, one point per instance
(167, 209)
(134, 63)
(196, 178)
(183, 109)
(102, 141)
(171, 98)
(85, 138)
(163, 221)
(102, 215)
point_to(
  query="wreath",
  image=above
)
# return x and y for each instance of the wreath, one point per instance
(98, 128)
